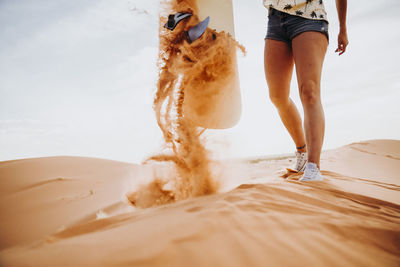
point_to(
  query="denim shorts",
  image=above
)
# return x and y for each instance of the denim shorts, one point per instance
(284, 27)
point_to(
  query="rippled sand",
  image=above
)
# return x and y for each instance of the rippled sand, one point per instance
(71, 211)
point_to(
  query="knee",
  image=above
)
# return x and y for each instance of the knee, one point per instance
(309, 92)
(278, 100)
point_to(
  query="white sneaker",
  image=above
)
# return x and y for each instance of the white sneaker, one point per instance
(301, 160)
(311, 173)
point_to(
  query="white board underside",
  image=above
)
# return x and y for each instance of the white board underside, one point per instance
(220, 12)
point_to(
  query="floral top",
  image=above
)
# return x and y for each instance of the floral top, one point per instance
(309, 9)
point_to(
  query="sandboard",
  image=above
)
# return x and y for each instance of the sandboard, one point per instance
(222, 108)
(226, 109)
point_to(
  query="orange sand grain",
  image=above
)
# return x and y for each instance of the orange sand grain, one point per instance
(70, 211)
(197, 69)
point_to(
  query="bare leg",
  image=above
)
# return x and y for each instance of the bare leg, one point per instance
(278, 64)
(309, 50)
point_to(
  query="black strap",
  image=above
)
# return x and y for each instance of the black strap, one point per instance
(301, 147)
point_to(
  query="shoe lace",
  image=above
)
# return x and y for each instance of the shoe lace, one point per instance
(310, 172)
(299, 159)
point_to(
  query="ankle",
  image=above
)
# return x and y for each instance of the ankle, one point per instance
(301, 149)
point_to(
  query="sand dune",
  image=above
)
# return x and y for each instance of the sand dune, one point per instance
(69, 211)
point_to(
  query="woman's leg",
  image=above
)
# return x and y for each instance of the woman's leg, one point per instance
(309, 50)
(278, 64)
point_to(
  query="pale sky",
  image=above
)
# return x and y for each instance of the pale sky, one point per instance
(78, 77)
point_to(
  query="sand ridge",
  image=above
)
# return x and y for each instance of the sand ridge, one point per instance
(346, 220)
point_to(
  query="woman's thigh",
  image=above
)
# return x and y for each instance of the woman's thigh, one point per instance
(278, 64)
(309, 49)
